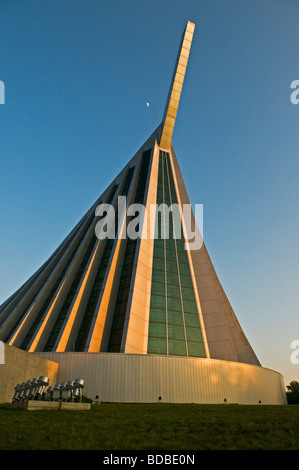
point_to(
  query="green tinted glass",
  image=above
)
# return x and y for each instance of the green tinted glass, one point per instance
(188, 294)
(158, 315)
(158, 301)
(158, 289)
(174, 326)
(173, 291)
(156, 346)
(176, 332)
(157, 330)
(193, 334)
(158, 276)
(174, 304)
(189, 306)
(191, 321)
(196, 350)
(177, 348)
(173, 279)
(175, 318)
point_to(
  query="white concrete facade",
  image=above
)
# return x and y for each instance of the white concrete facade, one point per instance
(139, 378)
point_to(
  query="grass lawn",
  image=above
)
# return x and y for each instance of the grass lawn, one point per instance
(152, 427)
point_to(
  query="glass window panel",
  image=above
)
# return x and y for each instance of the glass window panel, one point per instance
(158, 276)
(173, 291)
(158, 264)
(191, 320)
(157, 329)
(158, 229)
(180, 243)
(158, 315)
(157, 343)
(173, 278)
(176, 332)
(186, 281)
(171, 266)
(170, 254)
(159, 243)
(174, 304)
(158, 301)
(177, 348)
(183, 261)
(159, 252)
(172, 188)
(189, 306)
(182, 253)
(188, 294)
(196, 350)
(158, 289)
(175, 318)
(184, 269)
(166, 193)
(156, 346)
(170, 244)
(170, 232)
(193, 334)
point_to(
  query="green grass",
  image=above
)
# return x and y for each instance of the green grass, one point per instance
(152, 427)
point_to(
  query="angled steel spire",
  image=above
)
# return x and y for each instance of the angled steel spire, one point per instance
(176, 86)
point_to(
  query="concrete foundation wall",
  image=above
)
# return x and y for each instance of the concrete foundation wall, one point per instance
(20, 366)
(133, 378)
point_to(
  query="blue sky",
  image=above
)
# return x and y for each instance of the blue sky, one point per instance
(78, 75)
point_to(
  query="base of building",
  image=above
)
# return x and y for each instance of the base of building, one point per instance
(138, 378)
(32, 405)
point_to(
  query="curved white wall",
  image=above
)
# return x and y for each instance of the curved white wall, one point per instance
(133, 378)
